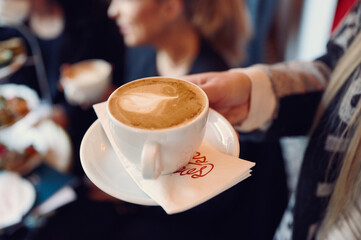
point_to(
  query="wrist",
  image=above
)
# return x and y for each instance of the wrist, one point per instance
(262, 101)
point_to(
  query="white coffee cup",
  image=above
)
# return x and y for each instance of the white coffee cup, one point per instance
(86, 82)
(159, 138)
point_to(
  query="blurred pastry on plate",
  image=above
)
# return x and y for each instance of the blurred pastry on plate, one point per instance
(20, 162)
(12, 109)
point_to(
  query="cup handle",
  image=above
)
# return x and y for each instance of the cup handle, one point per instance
(150, 161)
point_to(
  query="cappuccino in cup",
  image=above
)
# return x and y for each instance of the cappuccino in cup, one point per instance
(158, 123)
(157, 103)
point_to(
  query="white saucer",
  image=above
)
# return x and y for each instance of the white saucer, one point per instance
(17, 196)
(103, 168)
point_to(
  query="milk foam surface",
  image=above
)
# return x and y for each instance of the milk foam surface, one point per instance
(156, 104)
(143, 103)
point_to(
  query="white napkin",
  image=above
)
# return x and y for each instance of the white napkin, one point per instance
(209, 173)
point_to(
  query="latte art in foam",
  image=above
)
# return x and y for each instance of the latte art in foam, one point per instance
(143, 103)
(156, 103)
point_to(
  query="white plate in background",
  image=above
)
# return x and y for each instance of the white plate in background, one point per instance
(17, 196)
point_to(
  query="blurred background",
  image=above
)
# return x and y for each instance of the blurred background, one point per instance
(44, 193)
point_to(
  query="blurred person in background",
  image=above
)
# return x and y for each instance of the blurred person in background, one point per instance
(178, 37)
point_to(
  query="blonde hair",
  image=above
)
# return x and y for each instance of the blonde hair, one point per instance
(225, 24)
(348, 184)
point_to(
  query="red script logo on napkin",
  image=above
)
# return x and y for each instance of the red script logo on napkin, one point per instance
(197, 167)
